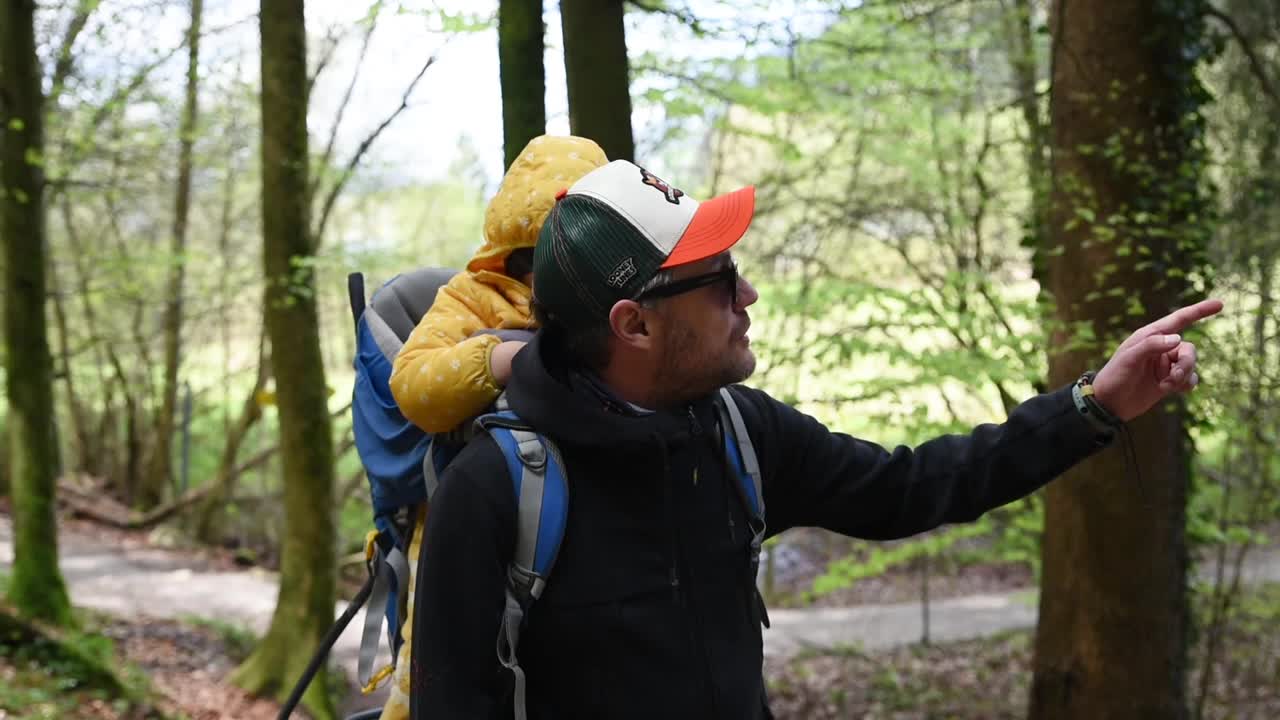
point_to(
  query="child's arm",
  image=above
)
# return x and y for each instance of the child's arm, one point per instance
(442, 377)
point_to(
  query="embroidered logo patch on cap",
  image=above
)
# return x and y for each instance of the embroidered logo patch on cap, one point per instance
(623, 273)
(673, 195)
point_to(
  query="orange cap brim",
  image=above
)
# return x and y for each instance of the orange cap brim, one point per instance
(716, 226)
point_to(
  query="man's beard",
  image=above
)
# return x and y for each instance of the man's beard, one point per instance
(689, 368)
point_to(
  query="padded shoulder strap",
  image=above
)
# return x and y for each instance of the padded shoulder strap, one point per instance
(742, 453)
(542, 505)
(542, 499)
(742, 457)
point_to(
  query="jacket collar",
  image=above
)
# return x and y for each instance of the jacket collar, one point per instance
(572, 405)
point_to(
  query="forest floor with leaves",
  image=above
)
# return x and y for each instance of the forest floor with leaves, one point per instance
(186, 662)
(990, 678)
(179, 668)
(987, 679)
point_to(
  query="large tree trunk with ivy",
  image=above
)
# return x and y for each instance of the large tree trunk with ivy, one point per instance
(524, 85)
(304, 608)
(1127, 232)
(36, 588)
(597, 73)
(161, 473)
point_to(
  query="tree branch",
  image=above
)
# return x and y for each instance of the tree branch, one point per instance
(332, 40)
(685, 17)
(327, 156)
(100, 115)
(66, 61)
(353, 483)
(263, 456)
(332, 197)
(1246, 47)
(91, 505)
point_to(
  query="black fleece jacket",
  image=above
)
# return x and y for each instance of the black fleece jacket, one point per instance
(650, 611)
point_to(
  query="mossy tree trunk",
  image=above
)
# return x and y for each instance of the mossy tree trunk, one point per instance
(36, 588)
(305, 606)
(524, 85)
(1127, 232)
(598, 74)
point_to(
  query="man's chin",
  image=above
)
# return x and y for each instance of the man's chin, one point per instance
(745, 366)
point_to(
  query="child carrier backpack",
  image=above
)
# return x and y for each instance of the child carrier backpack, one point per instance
(403, 464)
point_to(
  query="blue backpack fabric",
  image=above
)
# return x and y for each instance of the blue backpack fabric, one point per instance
(403, 464)
(392, 449)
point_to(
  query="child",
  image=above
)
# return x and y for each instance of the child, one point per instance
(450, 369)
(456, 361)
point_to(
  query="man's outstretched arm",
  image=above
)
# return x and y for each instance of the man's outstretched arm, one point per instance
(832, 480)
(818, 478)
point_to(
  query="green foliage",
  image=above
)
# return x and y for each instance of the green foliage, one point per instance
(889, 151)
(895, 302)
(843, 573)
(51, 668)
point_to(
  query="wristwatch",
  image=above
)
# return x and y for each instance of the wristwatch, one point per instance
(1103, 421)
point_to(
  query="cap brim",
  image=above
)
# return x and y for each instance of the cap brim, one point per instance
(717, 225)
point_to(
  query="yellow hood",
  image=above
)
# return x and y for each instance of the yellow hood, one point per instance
(514, 217)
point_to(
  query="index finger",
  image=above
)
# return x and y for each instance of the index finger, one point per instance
(1174, 323)
(1183, 318)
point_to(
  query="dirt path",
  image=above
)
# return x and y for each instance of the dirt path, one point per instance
(121, 575)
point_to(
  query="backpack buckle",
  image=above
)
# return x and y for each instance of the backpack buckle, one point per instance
(532, 453)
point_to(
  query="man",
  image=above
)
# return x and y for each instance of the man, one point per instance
(652, 611)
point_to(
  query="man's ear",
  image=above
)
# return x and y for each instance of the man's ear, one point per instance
(630, 324)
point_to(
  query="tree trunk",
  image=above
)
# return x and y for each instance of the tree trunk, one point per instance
(524, 84)
(1127, 228)
(304, 609)
(36, 588)
(84, 451)
(213, 507)
(123, 471)
(597, 73)
(161, 473)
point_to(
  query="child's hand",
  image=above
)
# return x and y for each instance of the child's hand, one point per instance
(500, 360)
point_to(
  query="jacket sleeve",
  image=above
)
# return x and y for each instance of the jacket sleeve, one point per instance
(441, 376)
(459, 597)
(815, 477)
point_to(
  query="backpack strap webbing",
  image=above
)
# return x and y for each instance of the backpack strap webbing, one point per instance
(744, 454)
(741, 454)
(542, 503)
(385, 562)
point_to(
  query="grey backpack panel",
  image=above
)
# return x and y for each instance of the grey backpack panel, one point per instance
(507, 335)
(403, 301)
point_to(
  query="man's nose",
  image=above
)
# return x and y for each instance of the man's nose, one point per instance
(747, 295)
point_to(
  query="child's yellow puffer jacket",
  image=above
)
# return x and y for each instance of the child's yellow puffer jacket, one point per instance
(441, 377)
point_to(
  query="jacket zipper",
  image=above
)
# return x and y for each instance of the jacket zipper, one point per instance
(695, 427)
(695, 430)
(667, 481)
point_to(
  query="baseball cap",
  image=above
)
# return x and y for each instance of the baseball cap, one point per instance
(617, 227)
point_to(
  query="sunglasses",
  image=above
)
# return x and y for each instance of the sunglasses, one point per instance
(727, 275)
